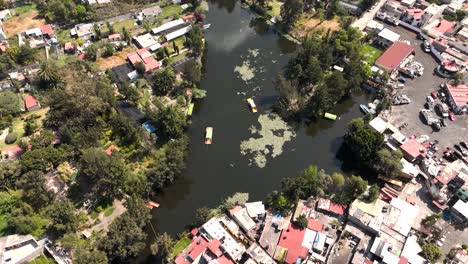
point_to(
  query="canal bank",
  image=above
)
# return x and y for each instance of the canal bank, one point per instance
(243, 57)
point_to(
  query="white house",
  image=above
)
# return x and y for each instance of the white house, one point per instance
(5, 14)
(386, 37)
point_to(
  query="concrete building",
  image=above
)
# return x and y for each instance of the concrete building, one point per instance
(20, 249)
(241, 216)
(457, 97)
(83, 31)
(231, 246)
(165, 28)
(394, 56)
(178, 33)
(386, 37)
(147, 41)
(5, 14)
(460, 213)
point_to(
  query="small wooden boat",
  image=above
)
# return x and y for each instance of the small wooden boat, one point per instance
(209, 136)
(152, 204)
(331, 116)
(190, 109)
(252, 105)
(207, 26)
(364, 109)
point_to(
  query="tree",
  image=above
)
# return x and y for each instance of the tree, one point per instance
(163, 81)
(192, 72)
(126, 36)
(362, 141)
(42, 159)
(64, 218)
(163, 245)
(10, 173)
(372, 193)
(108, 50)
(278, 202)
(110, 27)
(130, 92)
(290, 11)
(124, 130)
(301, 221)
(355, 186)
(35, 193)
(170, 163)
(26, 55)
(8, 105)
(172, 122)
(195, 39)
(147, 25)
(430, 220)
(87, 256)
(48, 74)
(106, 174)
(126, 237)
(236, 199)
(91, 52)
(388, 163)
(431, 252)
(97, 31)
(202, 215)
(198, 93)
(11, 138)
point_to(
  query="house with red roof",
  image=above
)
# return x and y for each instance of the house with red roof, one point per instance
(11, 153)
(457, 97)
(31, 103)
(114, 37)
(394, 56)
(413, 150)
(315, 225)
(47, 31)
(330, 207)
(69, 47)
(144, 56)
(111, 149)
(290, 248)
(413, 16)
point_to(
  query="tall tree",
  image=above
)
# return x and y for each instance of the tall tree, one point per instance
(195, 39)
(48, 74)
(291, 11)
(192, 71)
(64, 218)
(362, 141)
(163, 81)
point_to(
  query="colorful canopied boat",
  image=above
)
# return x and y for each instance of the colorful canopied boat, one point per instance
(252, 105)
(209, 136)
(330, 116)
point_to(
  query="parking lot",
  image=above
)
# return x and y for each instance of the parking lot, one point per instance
(417, 90)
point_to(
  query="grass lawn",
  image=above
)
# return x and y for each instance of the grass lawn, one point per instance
(370, 53)
(179, 246)
(276, 8)
(43, 260)
(171, 10)
(128, 24)
(64, 35)
(3, 225)
(25, 8)
(179, 43)
(108, 211)
(18, 125)
(176, 58)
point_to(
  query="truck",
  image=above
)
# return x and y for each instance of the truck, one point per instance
(428, 116)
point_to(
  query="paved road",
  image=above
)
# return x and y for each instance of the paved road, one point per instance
(367, 16)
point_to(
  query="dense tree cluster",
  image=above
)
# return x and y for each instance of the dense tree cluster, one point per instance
(316, 183)
(308, 86)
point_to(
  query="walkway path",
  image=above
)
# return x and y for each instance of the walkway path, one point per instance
(105, 221)
(367, 16)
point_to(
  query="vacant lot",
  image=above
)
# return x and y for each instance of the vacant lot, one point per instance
(370, 53)
(22, 22)
(310, 24)
(119, 58)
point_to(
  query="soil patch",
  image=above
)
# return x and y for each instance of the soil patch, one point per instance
(117, 59)
(313, 24)
(21, 23)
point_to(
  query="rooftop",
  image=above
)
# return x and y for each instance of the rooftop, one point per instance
(394, 55)
(178, 33)
(167, 26)
(315, 225)
(459, 93)
(242, 217)
(461, 207)
(389, 35)
(413, 148)
(30, 101)
(291, 239)
(47, 30)
(255, 208)
(444, 26)
(233, 248)
(416, 13)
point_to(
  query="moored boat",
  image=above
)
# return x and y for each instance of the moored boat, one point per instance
(208, 136)
(252, 105)
(331, 116)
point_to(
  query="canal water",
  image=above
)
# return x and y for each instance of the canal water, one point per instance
(242, 59)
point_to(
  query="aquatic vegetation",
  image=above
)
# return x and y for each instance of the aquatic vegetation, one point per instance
(273, 132)
(245, 71)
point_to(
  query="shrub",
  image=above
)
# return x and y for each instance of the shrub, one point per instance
(11, 138)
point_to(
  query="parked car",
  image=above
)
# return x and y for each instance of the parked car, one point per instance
(463, 151)
(464, 144)
(452, 116)
(406, 73)
(436, 126)
(434, 94)
(429, 99)
(443, 122)
(402, 80)
(426, 46)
